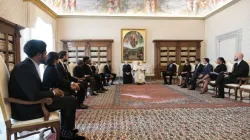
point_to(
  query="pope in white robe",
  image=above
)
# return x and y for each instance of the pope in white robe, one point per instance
(139, 75)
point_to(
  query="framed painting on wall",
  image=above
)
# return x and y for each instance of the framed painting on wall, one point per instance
(133, 45)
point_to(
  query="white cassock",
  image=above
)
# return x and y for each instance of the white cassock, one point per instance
(139, 75)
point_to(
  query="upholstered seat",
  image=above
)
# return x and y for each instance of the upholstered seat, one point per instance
(50, 119)
(54, 116)
(246, 89)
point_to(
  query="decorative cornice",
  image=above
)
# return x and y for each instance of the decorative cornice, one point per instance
(43, 7)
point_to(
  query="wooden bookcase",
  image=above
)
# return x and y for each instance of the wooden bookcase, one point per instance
(98, 50)
(10, 42)
(176, 50)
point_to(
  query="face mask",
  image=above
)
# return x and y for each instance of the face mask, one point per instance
(236, 59)
(65, 60)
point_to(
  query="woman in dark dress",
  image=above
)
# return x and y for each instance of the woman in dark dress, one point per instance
(51, 79)
(127, 76)
(186, 69)
(213, 75)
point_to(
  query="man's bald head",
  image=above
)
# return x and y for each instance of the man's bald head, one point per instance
(238, 56)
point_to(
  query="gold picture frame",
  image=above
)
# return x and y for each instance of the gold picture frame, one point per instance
(133, 45)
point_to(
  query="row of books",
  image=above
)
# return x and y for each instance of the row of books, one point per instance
(186, 53)
(2, 55)
(11, 66)
(166, 59)
(3, 44)
(10, 38)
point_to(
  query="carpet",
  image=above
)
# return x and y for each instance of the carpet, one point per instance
(157, 96)
(157, 112)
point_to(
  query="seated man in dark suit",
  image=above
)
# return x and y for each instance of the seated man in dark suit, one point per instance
(25, 84)
(97, 76)
(52, 80)
(83, 74)
(240, 70)
(198, 70)
(108, 72)
(207, 68)
(170, 71)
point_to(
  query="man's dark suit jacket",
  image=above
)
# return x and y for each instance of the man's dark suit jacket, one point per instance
(87, 70)
(64, 74)
(198, 70)
(25, 84)
(93, 69)
(171, 69)
(240, 70)
(207, 69)
(51, 79)
(107, 69)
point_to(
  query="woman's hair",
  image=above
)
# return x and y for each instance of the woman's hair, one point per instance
(51, 58)
(187, 60)
(222, 60)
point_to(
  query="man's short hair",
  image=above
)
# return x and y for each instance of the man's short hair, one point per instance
(207, 60)
(85, 59)
(62, 54)
(198, 59)
(34, 47)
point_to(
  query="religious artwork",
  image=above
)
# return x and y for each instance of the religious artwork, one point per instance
(133, 45)
(185, 8)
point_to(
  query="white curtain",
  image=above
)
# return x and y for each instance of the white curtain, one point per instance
(42, 31)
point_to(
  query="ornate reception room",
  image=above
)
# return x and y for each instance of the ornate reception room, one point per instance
(125, 69)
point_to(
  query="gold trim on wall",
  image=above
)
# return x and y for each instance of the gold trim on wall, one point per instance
(43, 7)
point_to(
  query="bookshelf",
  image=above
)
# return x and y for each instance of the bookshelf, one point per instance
(176, 50)
(10, 42)
(98, 50)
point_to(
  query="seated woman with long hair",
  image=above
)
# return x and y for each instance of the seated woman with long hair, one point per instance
(52, 80)
(186, 69)
(213, 75)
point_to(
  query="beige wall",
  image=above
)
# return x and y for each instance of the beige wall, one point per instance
(233, 18)
(25, 14)
(110, 28)
(14, 11)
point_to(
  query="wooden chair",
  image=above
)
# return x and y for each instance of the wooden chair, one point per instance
(245, 88)
(50, 119)
(236, 87)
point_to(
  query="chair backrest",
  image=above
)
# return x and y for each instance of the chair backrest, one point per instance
(101, 68)
(229, 66)
(4, 79)
(177, 68)
(71, 68)
(192, 67)
(214, 64)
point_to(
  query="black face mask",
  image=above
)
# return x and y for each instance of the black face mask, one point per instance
(236, 59)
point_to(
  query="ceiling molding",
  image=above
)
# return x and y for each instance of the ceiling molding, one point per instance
(129, 17)
(221, 9)
(43, 7)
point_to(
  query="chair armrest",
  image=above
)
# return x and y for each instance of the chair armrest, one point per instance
(243, 80)
(44, 101)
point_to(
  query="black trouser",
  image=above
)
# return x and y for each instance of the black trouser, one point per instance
(170, 74)
(108, 77)
(98, 81)
(193, 80)
(222, 80)
(67, 105)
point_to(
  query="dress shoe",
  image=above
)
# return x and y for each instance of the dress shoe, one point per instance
(104, 89)
(94, 94)
(191, 88)
(217, 96)
(74, 131)
(183, 86)
(100, 91)
(82, 106)
(77, 137)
